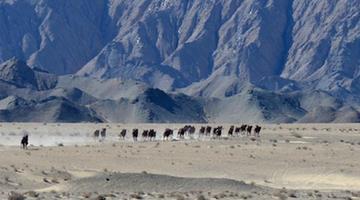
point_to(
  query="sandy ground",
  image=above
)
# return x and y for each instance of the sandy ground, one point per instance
(65, 161)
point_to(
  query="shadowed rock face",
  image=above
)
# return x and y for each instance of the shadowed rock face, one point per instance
(19, 74)
(160, 98)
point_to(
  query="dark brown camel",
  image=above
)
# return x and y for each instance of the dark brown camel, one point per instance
(249, 128)
(135, 134)
(237, 130)
(231, 131)
(243, 129)
(181, 133)
(167, 133)
(103, 133)
(217, 132)
(208, 130)
(152, 134)
(96, 133)
(257, 131)
(25, 141)
(145, 134)
(123, 134)
(202, 130)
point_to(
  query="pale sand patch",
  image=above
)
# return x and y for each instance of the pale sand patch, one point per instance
(298, 142)
(82, 174)
(321, 181)
(57, 188)
(308, 137)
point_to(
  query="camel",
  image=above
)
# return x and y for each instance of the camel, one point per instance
(96, 133)
(237, 130)
(243, 129)
(257, 131)
(145, 134)
(135, 134)
(123, 134)
(167, 133)
(181, 133)
(191, 131)
(231, 131)
(103, 133)
(249, 130)
(152, 134)
(202, 130)
(217, 131)
(25, 141)
(208, 130)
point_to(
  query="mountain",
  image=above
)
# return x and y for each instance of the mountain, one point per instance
(73, 98)
(298, 58)
(95, 100)
(18, 73)
(153, 105)
(53, 109)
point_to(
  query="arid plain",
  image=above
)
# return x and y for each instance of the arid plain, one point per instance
(287, 161)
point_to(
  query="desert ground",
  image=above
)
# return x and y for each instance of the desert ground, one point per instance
(287, 161)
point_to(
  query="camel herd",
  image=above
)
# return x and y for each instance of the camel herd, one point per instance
(187, 130)
(168, 134)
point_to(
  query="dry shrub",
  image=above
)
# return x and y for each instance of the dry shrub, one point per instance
(135, 196)
(201, 197)
(16, 196)
(177, 196)
(100, 197)
(297, 135)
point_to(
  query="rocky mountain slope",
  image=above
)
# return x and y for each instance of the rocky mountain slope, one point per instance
(225, 60)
